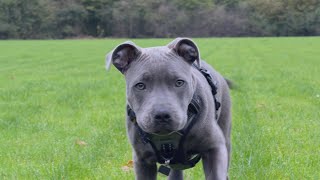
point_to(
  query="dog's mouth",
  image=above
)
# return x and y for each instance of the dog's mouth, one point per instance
(162, 128)
(163, 132)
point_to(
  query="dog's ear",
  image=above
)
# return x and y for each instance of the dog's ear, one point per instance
(187, 49)
(122, 56)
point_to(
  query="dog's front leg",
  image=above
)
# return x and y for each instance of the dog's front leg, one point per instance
(175, 175)
(215, 163)
(146, 171)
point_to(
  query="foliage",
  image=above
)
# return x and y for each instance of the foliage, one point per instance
(287, 18)
(21, 19)
(164, 18)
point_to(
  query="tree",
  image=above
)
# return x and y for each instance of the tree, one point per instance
(163, 18)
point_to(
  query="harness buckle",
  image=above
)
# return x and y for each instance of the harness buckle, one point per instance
(167, 152)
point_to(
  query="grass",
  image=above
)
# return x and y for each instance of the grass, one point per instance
(62, 115)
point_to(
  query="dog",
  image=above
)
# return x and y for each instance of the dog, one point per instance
(178, 109)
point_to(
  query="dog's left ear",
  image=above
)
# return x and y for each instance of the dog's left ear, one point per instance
(122, 56)
(187, 49)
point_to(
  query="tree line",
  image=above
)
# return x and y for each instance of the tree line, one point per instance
(40, 19)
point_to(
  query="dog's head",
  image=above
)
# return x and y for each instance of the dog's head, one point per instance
(159, 82)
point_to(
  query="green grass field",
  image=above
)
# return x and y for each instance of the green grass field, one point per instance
(62, 116)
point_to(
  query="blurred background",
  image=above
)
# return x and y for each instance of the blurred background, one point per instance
(57, 19)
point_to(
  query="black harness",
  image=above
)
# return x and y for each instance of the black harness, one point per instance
(169, 148)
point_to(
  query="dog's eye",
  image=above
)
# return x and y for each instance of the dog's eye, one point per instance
(140, 86)
(179, 83)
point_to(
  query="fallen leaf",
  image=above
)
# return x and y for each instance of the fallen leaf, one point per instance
(81, 143)
(260, 105)
(128, 166)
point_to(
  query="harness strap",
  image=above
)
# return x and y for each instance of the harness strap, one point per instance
(213, 85)
(144, 136)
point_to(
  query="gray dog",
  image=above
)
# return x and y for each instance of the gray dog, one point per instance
(178, 109)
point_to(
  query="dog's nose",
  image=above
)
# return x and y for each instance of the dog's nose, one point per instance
(162, 116)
